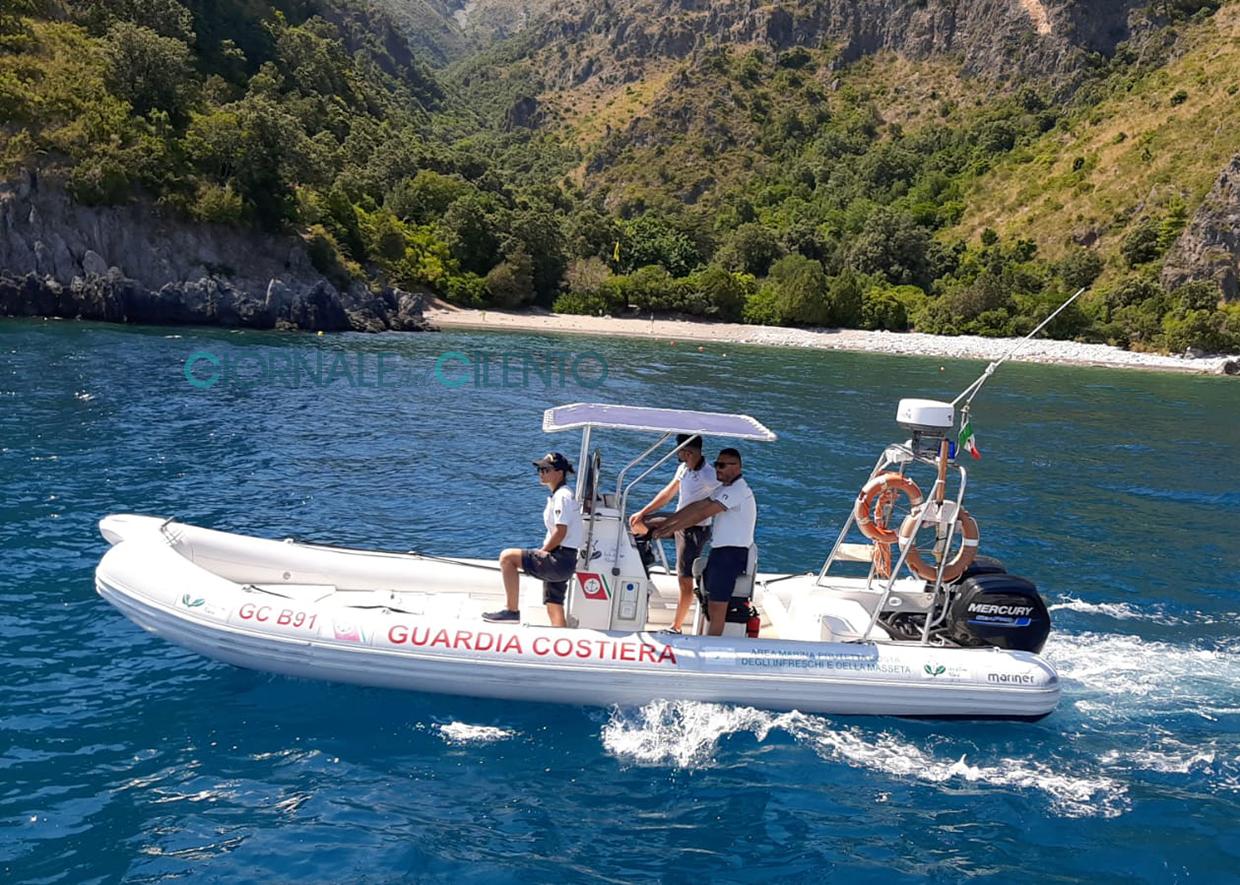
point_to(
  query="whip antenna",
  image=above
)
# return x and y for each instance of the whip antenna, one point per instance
(971, 391)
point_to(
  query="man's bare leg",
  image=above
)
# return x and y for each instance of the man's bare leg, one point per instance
(718, 614)
(556, 614)
(686, 602)
(510, 568)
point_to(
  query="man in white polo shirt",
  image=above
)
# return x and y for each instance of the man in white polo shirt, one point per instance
(735, 513)
(695, 479)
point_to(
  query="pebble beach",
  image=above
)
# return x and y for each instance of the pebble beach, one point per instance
(1040, 350)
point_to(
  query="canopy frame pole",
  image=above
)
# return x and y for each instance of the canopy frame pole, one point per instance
(622, 491)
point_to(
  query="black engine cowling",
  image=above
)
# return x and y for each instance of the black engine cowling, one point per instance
(1000, 610)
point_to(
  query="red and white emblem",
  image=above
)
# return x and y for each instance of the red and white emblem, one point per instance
(592, 585)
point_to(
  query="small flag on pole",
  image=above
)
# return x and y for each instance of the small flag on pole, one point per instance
(968, 441)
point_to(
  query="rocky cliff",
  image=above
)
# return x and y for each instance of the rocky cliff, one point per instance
(136, 263)
(1002, 40)
(1209, 248)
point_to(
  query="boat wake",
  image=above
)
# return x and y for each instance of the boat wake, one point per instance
(1115, 683)
(1130, 677)
(1122, 611)
(464, 733)
(685, 734)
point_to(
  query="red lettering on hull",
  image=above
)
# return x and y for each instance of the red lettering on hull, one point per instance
(506, 643)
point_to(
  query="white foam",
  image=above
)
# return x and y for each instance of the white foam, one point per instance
(464, 733)
(84, 396)
(1122, 611)
(685, 733)
(1119, 610)
(1170, 761)
(1126, 674)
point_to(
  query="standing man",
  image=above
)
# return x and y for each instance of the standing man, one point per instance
(735, 514)
(556, 560)
(694, 480)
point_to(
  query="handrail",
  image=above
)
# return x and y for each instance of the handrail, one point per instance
(622, 492)
(947, 546)
(895, 570)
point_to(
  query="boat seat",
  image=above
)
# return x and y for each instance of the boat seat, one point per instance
(744, 581)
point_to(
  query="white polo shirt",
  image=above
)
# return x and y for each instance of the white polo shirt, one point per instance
(734, 526)
(695, 485)
(562, 509)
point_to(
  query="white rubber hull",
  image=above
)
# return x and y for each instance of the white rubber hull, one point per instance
(159, 588)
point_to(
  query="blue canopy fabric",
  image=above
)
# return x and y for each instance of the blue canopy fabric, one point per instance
(580, 415)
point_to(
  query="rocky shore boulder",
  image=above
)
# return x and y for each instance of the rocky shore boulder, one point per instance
(115, 298)
(1209, 248)
(138, 264)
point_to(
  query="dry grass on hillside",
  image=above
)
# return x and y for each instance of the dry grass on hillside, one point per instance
(1135, 155)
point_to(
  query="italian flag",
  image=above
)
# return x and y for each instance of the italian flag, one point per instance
(968, 441)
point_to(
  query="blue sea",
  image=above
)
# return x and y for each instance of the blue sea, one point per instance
(124, 758)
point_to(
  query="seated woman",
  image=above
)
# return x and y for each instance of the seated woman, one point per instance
(556, 560)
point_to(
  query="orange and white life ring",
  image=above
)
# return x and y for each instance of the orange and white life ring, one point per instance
(885, 484)
(966, 530)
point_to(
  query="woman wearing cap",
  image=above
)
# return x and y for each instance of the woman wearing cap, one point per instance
(555, 561)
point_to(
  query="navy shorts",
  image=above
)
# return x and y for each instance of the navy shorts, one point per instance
(725, 565)
(554, 569)
(690, 543)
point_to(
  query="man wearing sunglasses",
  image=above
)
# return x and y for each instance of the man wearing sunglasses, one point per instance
(554, 562)
(735, 513)
(694, 481)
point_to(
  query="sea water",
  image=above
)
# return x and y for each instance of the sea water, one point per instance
(123, 757)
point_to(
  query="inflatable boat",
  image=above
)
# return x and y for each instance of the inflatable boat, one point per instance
(929, 634)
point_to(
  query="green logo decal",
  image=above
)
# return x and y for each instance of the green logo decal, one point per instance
(192, 603)
(932, 670)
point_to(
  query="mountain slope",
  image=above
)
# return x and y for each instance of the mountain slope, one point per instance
(1147, 151)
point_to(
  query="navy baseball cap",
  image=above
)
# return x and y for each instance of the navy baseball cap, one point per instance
(554, 460)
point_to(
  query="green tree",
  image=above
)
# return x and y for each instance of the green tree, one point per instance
(715, 292)
(649, 288)
(1080, 268)
(591, 232)
(472, 225)
(1141, 244)
(259, 146)
(881, 309)
(168, 18)
(845, 293)
(427, 195)
(652, 240)
(148, 70)
(751, 248)
(1198, 295)
(511, 282)
(893, 245)
(537, 228)
(800, 291)
(761, 308)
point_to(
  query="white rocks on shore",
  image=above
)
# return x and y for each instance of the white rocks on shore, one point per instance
(1039, 350)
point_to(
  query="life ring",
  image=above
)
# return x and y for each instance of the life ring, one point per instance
(865, 511)
(966, 530)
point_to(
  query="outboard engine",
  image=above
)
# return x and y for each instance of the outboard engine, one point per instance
(1000, 610)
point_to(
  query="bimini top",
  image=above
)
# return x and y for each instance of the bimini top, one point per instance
(579, 415)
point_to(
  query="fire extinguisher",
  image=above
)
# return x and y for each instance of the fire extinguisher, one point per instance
(754, 624)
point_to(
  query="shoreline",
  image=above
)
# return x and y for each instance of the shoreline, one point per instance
(442, 315)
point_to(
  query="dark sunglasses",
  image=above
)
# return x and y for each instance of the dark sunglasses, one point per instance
(545, 469)
(719, 464)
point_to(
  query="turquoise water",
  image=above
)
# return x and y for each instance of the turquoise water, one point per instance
(123, 757)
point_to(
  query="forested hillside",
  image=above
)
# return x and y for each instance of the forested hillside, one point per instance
(876, 163)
